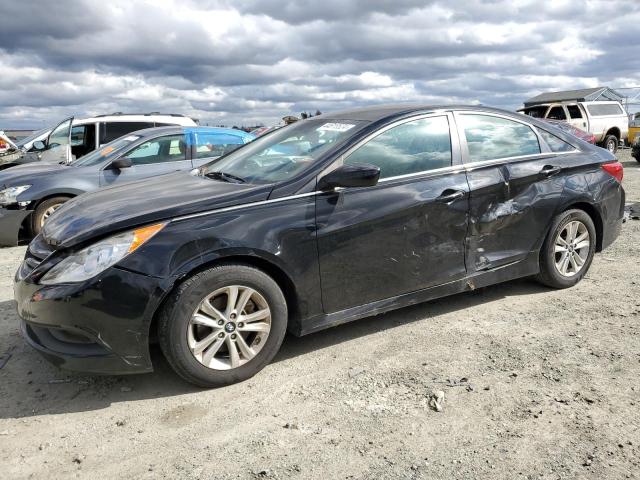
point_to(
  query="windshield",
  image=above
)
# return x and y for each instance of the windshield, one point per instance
(23, 141)
(100, 155)
(536, 112)
(282, 154)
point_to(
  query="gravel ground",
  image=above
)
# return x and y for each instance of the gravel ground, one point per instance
(537, 384)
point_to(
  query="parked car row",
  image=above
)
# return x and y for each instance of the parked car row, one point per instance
(30, 193)
(74, 138)
(325, 221)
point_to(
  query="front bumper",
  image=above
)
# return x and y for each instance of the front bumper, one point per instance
(98, 326)
(10, 223)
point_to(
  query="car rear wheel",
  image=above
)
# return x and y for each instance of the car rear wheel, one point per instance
(223, 325)
(44, 211)
(568, 250)
(611, 143)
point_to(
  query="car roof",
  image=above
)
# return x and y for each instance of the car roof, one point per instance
(172, 119)
(155, 131)
(383, 112)
(571, 102)
(221, 130)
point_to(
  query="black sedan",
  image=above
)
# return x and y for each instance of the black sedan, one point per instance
(326, 221)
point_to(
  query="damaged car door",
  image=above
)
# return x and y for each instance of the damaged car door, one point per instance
(58, 144)
(407, 232)
(515, 187)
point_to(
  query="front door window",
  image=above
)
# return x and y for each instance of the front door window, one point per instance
(171, 148)
(412, 147)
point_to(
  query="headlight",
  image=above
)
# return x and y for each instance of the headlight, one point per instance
(9, 195)
(96, 258)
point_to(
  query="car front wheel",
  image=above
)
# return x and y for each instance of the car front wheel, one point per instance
(568, 250)
(223, 325)
(44, 211)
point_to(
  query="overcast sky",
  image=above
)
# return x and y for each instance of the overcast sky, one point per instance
(254, 61)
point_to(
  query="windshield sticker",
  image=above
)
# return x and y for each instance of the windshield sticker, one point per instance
(131, 138)
(106, 151)
(335, 127)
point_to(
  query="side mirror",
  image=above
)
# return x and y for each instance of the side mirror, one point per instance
(358, 175)
(38, 145)
(121, 163)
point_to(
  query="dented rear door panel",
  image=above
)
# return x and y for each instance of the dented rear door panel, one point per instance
(534, 190)
(510, 206)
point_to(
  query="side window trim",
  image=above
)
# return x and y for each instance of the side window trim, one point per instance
(464, 148)
(500, 161)
(456, 162)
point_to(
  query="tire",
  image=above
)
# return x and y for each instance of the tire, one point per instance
(550, 270)
(610, 143)
(42, 212)
(179, 334)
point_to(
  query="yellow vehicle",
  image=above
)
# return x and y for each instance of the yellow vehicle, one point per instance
(634, 129)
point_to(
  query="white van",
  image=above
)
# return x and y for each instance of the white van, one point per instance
(606, 120)
(87, 134)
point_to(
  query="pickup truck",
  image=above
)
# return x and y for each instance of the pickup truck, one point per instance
(606, 120)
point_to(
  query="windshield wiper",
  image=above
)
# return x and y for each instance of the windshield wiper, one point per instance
(226, 177)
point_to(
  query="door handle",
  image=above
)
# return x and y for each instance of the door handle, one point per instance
(550, 170)
(449, 196)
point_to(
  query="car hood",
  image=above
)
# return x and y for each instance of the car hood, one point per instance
(26, 174)
(117, 208)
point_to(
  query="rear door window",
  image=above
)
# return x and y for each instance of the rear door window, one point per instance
(556, 144)
(574, 111)
(412, 147)
(491, 138)
(215, 144)
(109, 131)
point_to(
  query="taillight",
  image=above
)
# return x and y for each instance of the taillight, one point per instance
(614, 169)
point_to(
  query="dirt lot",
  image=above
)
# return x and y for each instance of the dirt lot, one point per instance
(552, 391)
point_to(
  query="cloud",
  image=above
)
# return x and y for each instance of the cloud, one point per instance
(255, 61)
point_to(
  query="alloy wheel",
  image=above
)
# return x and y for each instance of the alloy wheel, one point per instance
(229, 327)
(571, 248)
(48, 212)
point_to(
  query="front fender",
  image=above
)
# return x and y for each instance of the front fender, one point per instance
(282, 236)
(10, 223)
